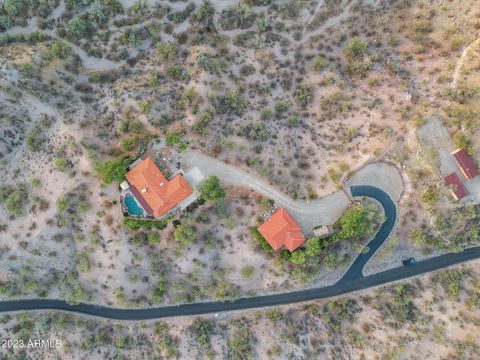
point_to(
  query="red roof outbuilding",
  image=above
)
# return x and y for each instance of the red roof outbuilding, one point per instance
(459, 191)
(466, 164)
(280, 230)
(156, 194)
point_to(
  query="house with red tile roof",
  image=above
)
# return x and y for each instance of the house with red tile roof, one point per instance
(459, 191)
(280, 230)
(153, 191)
(466, 164)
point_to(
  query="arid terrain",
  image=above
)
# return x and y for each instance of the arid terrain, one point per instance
(300, 94)
(432, 317)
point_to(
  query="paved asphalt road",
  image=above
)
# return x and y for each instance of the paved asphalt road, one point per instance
(353, 280)
(355, 270)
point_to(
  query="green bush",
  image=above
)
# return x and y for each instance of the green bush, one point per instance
(135, 224)
(355, 49)
(15, 7)
(232, 103)
(160, 289)
(461, 140)
(203, 329)
(261, 240)
(166, 51)
(239, 16)
(184, 234)
(211, 189)
(79, 28)
(353, 223)
(57, 49)
(113, 170)
(14, 199)
(304, 95)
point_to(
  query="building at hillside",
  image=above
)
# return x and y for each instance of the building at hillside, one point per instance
(280, 230)
(466, 164)
(156, 195)
(459, 191)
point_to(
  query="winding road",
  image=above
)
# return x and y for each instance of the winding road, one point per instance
(353, 280)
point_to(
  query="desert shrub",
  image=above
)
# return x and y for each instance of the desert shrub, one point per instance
(463, 117)
(184, 234)
(231, 103)
(160, 289)
(240, 344)
(14, 199)
(202, 330)
(313, 247)
(355, 49)
(211, 190)
(356, 69)
(211, 63)
(425, 241)
(98, 12)
(174, 139)
(261, 240)
(166, 51)
(15, 7)
(82, 262)
(256, 131)
(200, 126)
(153, 238)
(5, 23)
(113, 170)
(429, 195)
(289, 9)
(180, 16)
(451, 281)
(79, 28)
(353, 223)
(461, 140)
(247, 272)
(420, 28)
(164, 341)
(298, 257)
(176, 72)
(57, 49)
(136, 224)
(334, 104)
(304, 95)
(318, 63)
(239, 16)
(401, 306)
(205, 12)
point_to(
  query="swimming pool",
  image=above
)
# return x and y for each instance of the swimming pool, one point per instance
(132, 206)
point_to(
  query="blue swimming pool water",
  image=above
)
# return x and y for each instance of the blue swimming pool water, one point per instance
(132, 206)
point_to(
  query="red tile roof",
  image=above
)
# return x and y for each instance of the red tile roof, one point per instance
(466, 164)
(155, 193)
(281, 230)
(459, 190)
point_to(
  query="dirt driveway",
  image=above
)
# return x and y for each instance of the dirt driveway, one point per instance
(309, 214)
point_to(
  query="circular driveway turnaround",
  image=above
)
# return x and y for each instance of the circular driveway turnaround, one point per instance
(353, 280)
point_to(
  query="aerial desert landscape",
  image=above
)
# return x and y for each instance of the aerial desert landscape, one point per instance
(241, 112)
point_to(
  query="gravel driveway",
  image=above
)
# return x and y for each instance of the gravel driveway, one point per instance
(309, 214)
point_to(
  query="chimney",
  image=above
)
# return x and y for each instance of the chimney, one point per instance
(161, 184)
(144, 190)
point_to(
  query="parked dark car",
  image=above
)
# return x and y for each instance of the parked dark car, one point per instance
(408, 262)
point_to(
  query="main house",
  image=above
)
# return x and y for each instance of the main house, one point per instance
(280, 230)
(156, 195)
